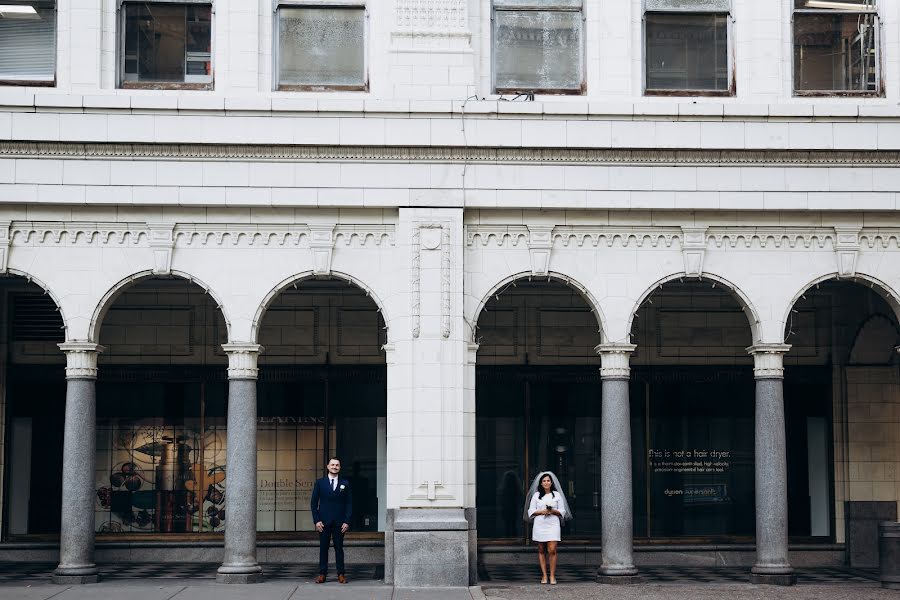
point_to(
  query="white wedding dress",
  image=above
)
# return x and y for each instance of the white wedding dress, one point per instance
(545, 528)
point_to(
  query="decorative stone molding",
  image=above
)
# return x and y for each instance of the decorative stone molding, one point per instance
(791, 237)
(882, 238)
(615, 360)
(460, 154)
(77, 234)
(81, 359)
(242, 360)
(162, 241)
(540, 244)
(768, 360)
(390, 351)
(610, 236)
(847, 250)
(432, 491)
(472, 353)
(321, 243)
(431, 24)
(430, 237)
(280, 235)
(693, 249)
(497, 235)
(4, 245)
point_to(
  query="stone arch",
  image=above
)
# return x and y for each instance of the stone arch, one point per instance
(738, 294)
(110, 297)
(300, 277)
(551, 276)
(31, 279)
(870, 342)
(884, 290)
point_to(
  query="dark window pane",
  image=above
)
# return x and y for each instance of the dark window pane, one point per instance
(167, 43)
(687, 52)
(538, 50)
(834, 52)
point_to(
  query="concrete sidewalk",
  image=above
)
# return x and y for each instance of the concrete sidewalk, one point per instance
(209, 590)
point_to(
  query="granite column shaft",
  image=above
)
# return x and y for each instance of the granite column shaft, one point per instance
(772, 565)
(240, 564)
(616, 508)
(76, 541)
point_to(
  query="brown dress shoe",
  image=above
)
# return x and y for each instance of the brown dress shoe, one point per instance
(320, 579)
(342, 579)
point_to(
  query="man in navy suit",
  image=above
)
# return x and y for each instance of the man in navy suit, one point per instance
(332, 507)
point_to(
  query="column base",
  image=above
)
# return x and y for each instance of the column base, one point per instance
(75, 575)
(773, 578)
(430, 547)
(239, 577)
(619, 579)
(239, 574)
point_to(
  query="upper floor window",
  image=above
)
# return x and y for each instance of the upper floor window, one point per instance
(166, 45)
(687, 47)
(538, 46)
(836, 47)
(28, 42)
(321, 47)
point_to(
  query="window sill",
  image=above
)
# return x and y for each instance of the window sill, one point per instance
(27, 83)
(543, 92)
(691, 93)
(323, 88)
(165, 85)
(836, 94)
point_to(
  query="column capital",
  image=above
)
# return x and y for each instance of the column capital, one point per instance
(242, 357)
(615, 360)
(768, 360)
(81, 359)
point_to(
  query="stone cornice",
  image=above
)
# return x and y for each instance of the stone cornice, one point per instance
(614, 156)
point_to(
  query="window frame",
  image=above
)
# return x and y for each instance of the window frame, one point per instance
(51, 82)
(277, 5)
(879, 90)
(163, 85)
(536, 6)
(690, 10)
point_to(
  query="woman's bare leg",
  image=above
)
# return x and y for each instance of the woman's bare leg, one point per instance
(541, 559)
(551, 550)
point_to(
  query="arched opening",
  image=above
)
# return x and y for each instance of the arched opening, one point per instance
(538, 400)
(161, 412)
(692, 411)
(322, 392)
(841, 398)
(32, 406)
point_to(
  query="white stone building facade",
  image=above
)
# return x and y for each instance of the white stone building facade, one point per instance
(416, 224)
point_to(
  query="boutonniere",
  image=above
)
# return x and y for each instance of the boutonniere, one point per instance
(343, 486)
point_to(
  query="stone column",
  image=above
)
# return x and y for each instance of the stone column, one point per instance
(615, 467)
(240, 565)
(772, 564)
(76, 540)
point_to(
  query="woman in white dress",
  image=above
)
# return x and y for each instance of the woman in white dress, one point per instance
(548, 509)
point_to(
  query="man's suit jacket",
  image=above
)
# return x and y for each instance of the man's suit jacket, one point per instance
(331, 506)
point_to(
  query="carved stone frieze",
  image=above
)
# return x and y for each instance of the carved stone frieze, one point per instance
(778, 237)
(280, 235)
(77, 234)
(495, 235)
(274, 152)
(426, 24)
(616, 235)
(877, 237)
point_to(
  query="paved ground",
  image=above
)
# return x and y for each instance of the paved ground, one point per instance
(20, 581)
